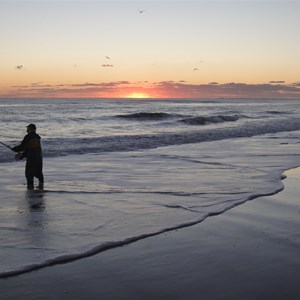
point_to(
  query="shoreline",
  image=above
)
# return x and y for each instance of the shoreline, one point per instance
(249, 252)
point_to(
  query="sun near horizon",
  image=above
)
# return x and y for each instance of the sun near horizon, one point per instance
(137, 95)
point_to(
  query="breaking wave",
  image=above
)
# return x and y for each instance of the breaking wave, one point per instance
(208, 120)
(79, 145)
(147, 116)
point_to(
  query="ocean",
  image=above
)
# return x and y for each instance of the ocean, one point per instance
(120, 170)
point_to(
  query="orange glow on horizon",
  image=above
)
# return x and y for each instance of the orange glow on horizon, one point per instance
(137, 95)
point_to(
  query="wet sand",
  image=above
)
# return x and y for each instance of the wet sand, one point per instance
(249, 252)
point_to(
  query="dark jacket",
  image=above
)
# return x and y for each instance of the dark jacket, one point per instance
(31, 146)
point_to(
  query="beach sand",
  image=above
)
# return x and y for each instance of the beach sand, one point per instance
(249, 252)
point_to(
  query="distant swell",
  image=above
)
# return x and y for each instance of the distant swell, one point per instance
(208, 120)
(146, 116)
(80, 145)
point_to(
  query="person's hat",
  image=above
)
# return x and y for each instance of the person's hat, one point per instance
(31, 126)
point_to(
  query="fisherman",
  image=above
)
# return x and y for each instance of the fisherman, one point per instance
(30, 148)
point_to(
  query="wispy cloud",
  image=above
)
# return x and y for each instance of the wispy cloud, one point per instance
(296, 84)
(277, 81)
(230, 90)
(86, 89)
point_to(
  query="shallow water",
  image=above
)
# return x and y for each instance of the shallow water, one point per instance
(103, 199)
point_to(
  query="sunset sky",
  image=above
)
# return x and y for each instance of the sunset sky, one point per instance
(172, 49)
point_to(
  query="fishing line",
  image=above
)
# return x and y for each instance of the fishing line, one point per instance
(17, 156)
(7, 146)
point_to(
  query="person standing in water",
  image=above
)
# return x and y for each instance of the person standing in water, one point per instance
(30, 148)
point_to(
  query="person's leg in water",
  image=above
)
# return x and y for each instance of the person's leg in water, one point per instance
(29, 179)
(40, 175)
(29, 174)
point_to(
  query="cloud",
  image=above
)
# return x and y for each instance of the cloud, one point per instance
(162, 89)
(86, 89)
(296, 84)
(229, 90)
(277, 81)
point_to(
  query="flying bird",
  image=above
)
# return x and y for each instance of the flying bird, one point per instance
(107, 57)
(19, 67)
(140, 11)
(195, 69)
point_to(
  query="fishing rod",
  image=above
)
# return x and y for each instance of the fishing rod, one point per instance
(7, 146)
(18, 156)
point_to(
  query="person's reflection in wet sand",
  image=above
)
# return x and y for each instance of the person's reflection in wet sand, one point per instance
(35, 200)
